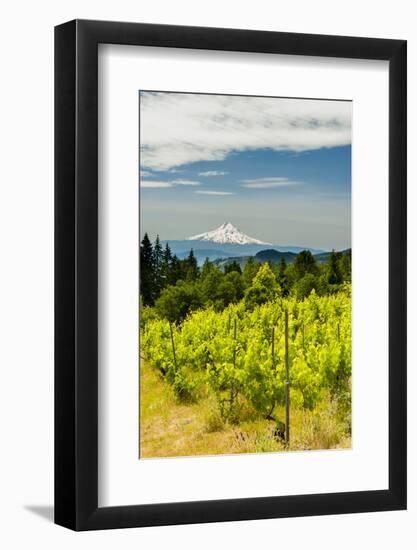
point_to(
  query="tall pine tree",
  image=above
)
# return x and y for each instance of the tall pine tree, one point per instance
(232, 266)
(282, 276)
(191, 267)
(334, 276)
(157, 262)
(304, 263)
(206, 269)
(166, 266)
(176, 272)
(250, 270)
(146, 271)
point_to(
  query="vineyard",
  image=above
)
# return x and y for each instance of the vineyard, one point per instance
(282, 360)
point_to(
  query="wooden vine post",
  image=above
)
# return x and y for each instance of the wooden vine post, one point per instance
(273, 347)
(287, 385)
(173, 345)
(234, 338)
(232, 388)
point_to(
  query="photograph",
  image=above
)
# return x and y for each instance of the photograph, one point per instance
(245, 274)
(209, 331)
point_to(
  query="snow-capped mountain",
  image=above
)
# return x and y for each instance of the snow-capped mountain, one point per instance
(227, 233)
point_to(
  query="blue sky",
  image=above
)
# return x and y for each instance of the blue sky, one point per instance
(279, 169)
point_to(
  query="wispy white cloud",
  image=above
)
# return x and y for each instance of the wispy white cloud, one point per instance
(186, 182)
(212, 173)
(156, 184)
(269, 183)
(145, 174)
(200, 127)
(219, 193)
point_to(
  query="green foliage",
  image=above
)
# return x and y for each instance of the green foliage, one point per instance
(233, 266)
(147, 314)
(175, 272)
(208, 354)
(225, 294)
(166, 266)
(334, 275)
(304, 286)
(159, 269)
(305, 263)
(282, 277)
(146, 271)
(175, 302)
(264, 288)
(220, 290)
(210, 281)
(235, 279)
(250, 270)
(207, 268)
(189, 334)
(190, 267)
(345, 265)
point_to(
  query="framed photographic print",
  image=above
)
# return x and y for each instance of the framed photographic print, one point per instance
(230, 335)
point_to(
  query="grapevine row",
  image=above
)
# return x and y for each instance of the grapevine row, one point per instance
(238, 352)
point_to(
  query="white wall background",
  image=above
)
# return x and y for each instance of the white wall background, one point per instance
(26, 272)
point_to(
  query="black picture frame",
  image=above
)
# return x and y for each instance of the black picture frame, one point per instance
(76, 272)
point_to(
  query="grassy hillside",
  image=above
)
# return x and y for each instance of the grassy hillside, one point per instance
(170, 428)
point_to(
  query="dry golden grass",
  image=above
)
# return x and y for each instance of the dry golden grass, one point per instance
(169, 428)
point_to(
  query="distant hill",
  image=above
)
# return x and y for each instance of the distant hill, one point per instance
(323, 257)
(202, 253)
(223, 262)
(212, 250)
(269, 255)
(272, 255)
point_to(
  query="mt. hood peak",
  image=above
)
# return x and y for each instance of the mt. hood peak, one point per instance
(226, 233)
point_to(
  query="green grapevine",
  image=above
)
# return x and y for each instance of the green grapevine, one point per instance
(249, 364)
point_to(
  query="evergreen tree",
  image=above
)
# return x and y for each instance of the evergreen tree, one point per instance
(206, 269)
(232, 266)
(191, 267)
(282, 276)
(305, 263)
(334, 276)
(166, 266)
(345, 265)
(176, 271)
(235, 279)
(146, 271)
(210, 283)
(157, 254)
(250, 270)
(224, 295)
(157, 266)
